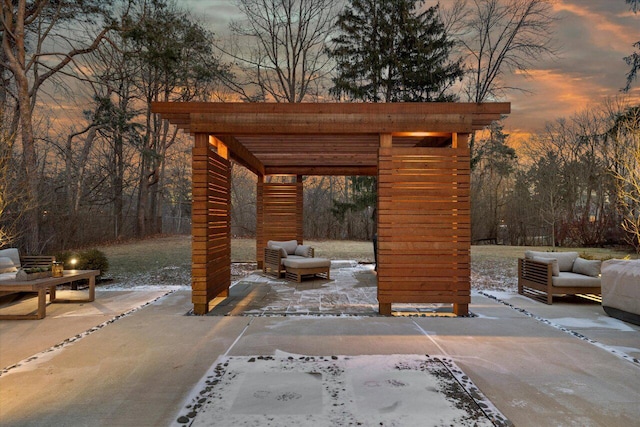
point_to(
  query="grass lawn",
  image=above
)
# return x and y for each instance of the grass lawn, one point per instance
(167, 260)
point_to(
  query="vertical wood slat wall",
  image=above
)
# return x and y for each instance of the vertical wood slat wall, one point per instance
(424, 227)
(279, 214)
(211, 227)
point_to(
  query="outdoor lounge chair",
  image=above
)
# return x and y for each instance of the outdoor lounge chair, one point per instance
(544, 274)
(293, 260)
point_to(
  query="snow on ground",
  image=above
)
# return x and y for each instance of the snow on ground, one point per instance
(287, 390)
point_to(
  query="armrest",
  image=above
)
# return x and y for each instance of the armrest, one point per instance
(535, 271)
(272, 256)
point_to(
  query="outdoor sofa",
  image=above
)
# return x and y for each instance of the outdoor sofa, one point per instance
(544, 274)
(293, 260)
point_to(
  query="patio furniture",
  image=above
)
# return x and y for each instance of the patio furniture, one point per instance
(41, 286)
(544, 274)
(11, 261)
(621, 289)
(293, 260)
(299, 267)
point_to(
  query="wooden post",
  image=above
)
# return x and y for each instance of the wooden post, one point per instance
(211, 244)
(386, 141)
(260, 242)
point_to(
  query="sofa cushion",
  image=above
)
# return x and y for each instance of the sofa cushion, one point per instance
(568, 279)
(587, 267)
(555, 269)
(565, 259)
(13, 254)
(7, 276)
(303, 250)
(7, 265)
(303, 262)
(283, 259)
(289, 245)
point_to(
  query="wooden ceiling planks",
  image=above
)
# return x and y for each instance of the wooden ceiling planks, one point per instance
(325, 138)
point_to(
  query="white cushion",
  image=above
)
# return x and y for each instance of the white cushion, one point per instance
(289, 245)
(555, 269)
(587, 267)
(565, 259)
(13, 254)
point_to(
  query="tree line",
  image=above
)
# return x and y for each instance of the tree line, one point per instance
(83, 159)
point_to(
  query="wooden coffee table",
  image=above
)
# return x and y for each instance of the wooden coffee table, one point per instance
(41, 286)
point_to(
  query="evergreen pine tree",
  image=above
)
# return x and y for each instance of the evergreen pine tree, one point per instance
(388, 51)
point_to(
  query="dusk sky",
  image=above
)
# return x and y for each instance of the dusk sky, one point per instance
(592, 36)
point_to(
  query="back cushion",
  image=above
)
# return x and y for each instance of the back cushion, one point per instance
(565, 259)
(6, 265)
(12, 254)
(289, 246)
(587, 267)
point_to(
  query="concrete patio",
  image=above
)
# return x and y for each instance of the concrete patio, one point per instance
(135, 358)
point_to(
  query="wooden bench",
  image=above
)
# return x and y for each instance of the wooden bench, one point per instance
(41, 286)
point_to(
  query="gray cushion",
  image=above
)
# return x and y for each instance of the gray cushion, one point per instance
(307, 262)
(587, 267)
(289, 245)
(555, 269)
(303, 250)
(567, 279)
(13, 254)
(565, 259)
(7, 265)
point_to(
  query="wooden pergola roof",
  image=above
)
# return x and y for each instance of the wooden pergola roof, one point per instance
(325, 138)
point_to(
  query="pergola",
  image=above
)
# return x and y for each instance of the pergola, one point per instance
(418, 151)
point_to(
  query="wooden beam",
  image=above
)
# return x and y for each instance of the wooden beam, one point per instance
(181, 108)
(323, 170)
(310, 123)
(240, 152)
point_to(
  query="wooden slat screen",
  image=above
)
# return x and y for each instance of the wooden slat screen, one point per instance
(211, 228)
(279, 214)
(424, 233)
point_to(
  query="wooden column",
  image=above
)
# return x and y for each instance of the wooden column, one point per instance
(211, 227)
(424, 235)
(279, 214)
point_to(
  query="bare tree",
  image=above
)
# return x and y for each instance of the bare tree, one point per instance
(625, 135)
(500, 36)
(12, 202)
(278, 51)
(29, 29)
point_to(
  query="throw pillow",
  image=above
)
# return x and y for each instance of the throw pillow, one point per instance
(555, 268)
(303, 250)
(587, 267)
